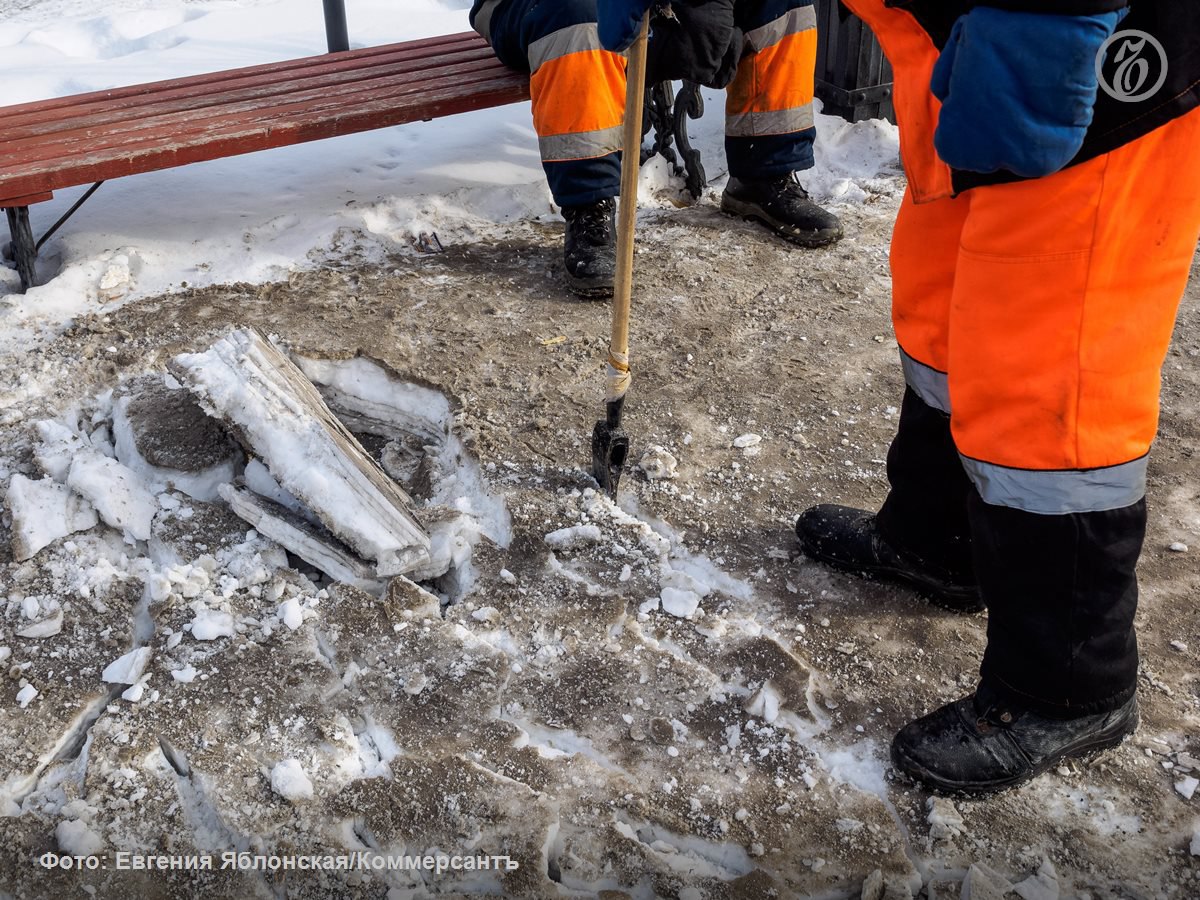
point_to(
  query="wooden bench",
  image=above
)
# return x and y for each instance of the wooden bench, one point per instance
(90, 138)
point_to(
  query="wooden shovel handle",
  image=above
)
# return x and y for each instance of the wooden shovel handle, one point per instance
(631, 144)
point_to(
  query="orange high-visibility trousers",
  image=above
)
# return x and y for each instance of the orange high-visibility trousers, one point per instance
(578, 90)
(1049, 306)
(1038, 313)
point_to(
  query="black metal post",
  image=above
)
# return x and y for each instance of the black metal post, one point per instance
(336, 33)
(23, 245)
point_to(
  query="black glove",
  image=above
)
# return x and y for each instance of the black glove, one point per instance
(694, 40)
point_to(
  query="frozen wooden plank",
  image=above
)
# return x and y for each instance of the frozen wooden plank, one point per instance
(277, 413)
(301, 538)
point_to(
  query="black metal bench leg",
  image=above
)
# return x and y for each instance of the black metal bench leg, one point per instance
(24, 247)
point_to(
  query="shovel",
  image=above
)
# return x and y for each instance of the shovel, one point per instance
(610, 444)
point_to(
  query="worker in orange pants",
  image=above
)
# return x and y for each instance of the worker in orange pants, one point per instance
(764, 51)
(1038, 262)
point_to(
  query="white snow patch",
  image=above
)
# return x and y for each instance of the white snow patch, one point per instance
(77, 839)
(42, 512)
(117, 493)
(26, 695)
(573, 537)
(289, 781)
(128, 668)
(209, 624)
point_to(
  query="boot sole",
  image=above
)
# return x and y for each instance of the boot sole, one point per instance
(959, 600)
(589, 291)
(810, 239)
(1083, 749)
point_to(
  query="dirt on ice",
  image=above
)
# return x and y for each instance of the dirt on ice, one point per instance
(558, 709)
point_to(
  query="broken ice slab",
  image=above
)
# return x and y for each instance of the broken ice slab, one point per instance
(302, 538)
(42, 512)
(164, 436)
(247, 382)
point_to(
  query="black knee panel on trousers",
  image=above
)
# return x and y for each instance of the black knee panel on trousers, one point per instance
(1061, 593)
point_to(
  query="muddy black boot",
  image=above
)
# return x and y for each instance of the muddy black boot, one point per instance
(921, 535)
(980, 744)
(849, 539)
(590, 250)
(783, 206)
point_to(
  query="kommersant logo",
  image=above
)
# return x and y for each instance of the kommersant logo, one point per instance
(1131, 66)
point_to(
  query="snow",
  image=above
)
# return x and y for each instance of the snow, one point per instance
(77, 839)
(291, 613)
(128, 668)
(209, 624)
(26, 695)
(270, 215)
(289, 780)
(116, 492)
(1187, 787)
(42, 512)
(197, 485)
(573, 537)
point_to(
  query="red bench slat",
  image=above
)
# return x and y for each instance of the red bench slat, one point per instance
(255, 135)
(199, 93)
(350, 58)
(188, 111)
(67, 141)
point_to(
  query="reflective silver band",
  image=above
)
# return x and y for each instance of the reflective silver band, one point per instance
(580, 145)
(792, 22)
(777, 121)
(928, 383)
(482, 22)
(1059, 493)
(573, 39)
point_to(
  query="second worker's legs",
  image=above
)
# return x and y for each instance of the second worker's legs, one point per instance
(769, 128)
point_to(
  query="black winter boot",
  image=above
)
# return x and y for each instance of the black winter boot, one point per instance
(849, 539)
(783, 206)
(921, 536)
(590, 248)
(981, 745)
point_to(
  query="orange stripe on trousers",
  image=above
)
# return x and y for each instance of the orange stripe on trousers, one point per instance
(775, 78)
(1051, 302)
(579, 92)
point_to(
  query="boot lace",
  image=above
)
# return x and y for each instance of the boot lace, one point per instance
(594, 223)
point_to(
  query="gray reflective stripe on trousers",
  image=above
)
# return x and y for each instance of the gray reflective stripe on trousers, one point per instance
(580, 145)
(1062, 492)
(777, 121)
(927, 383)
(573, 39)
(482, 22)
(792, 22)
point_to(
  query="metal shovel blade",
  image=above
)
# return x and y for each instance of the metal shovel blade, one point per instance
(610, 447)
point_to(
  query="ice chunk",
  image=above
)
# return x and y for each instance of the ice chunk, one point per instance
(291, 613)
(74, 837)
(289, 781)
(129, 668)
(575, 536)
(26, 695)
(117, 493)
(59, 446)
(42, 512)
(208, 624)
(658, 463)
(677, 602)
